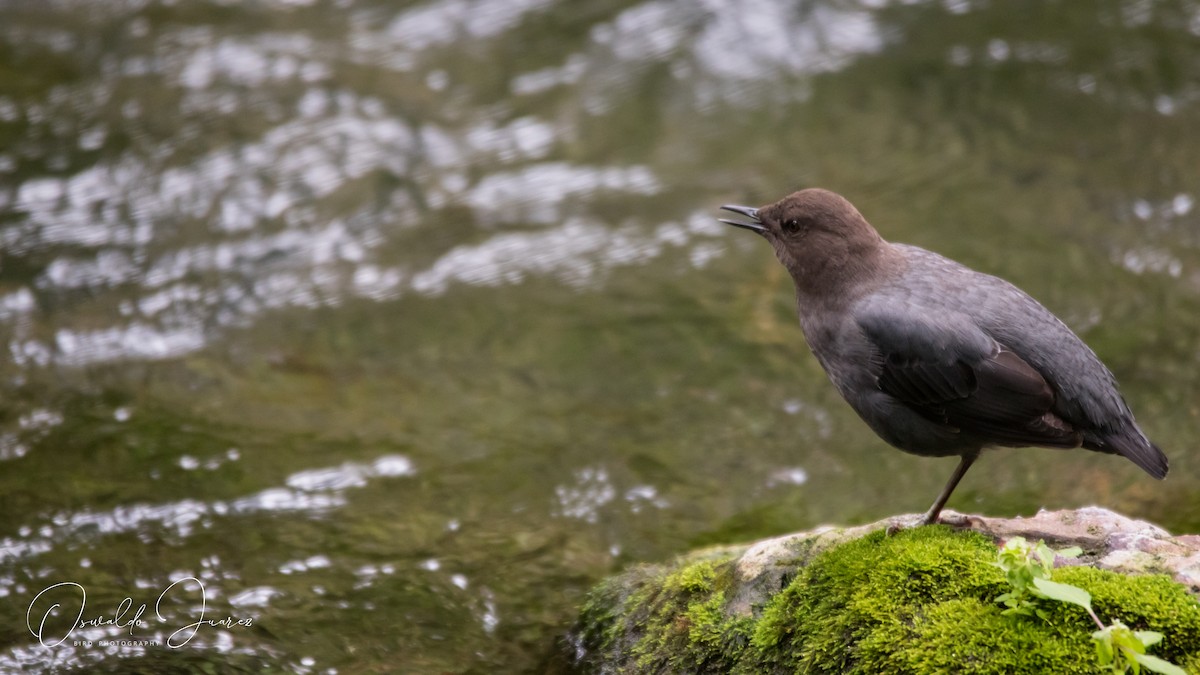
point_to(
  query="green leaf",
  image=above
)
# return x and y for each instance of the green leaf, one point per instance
(1126, 639)
(1064, 593)
(1156, 664)
(1016, 544)
(1073, 552)
(1046, 556)
(1104, 648)
(1148, 638)
(1128, 642)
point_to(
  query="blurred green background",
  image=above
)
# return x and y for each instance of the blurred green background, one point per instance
(401, 324)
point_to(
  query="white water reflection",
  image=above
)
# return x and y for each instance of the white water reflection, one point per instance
(575, 253)
(293, 210)
(350, 474)
(258, 596)
(116, 643)
(268, 58)
(534, 194)
(583, 500)
(310, 491)
(16, 303)
(752, 39)
(789, 476)
(316, 562)
(125, 203)
(447, 21)
(733, 52)
(32, 426)
(95, 643)
(137, 341)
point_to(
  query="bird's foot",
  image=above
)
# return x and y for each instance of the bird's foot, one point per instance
(951, 518)
(904, 523)
(958, 520)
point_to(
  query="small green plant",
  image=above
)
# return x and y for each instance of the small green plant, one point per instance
(1028, 568)
(1120, 648)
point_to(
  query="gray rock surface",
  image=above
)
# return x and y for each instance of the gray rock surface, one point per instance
(1109, 541)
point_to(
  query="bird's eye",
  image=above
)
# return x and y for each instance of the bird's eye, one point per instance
(791, 226)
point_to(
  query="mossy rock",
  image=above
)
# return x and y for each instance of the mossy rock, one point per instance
(922, 601)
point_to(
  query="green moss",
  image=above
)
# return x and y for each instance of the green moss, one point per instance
(612, 611)
(666, 621)
(843, 611)
(1152, 602)
(918, 602)
(687, 630)
(969, 635)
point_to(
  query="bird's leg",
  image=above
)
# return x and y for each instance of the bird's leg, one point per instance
(931, 516)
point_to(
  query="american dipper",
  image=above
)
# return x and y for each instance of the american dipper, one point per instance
(938, 359)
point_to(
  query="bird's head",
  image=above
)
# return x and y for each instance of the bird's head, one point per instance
(818, 235)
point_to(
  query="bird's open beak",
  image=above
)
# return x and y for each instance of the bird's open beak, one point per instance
(748, 211)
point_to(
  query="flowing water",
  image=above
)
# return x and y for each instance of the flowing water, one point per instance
(395, 326)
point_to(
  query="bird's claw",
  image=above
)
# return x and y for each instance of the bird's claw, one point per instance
(905, 523)
(958, 520)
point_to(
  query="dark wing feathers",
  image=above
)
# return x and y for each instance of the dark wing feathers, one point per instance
(991, 362)
(965, 380)
(923, 382)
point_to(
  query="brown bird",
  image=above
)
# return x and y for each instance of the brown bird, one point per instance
(938, 359)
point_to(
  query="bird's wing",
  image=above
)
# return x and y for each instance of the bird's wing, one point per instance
(952, 373)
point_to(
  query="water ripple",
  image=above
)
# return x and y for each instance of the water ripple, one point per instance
(186, 238)
(311, 491)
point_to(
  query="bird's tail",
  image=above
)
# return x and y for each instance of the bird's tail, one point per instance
(1132, 444)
